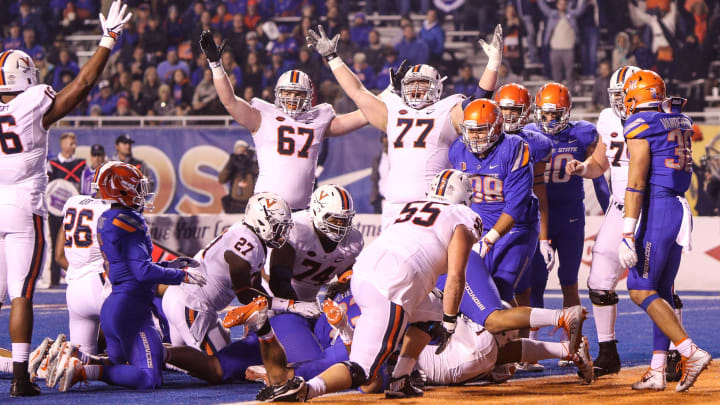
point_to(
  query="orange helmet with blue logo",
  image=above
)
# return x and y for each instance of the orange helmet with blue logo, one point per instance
(482, 125)
(644, 89)
(515, 98)
(553, 98)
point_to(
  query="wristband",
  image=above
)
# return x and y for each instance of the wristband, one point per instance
(107, 42)
(280, 304)
(492, 236)
(634, 190)
(217, 69)
(330, 56)
(335, 63)
(450, 318)
(629, 225)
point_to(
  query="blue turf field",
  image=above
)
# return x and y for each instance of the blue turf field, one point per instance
(634, 333)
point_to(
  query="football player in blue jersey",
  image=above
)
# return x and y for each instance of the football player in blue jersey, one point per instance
(516, 107)
(658, 137)
(570, 140)
(500, 168)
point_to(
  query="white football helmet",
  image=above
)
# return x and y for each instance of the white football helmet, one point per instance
(17, 71)
(421, 86)
(615, 91)
(270, 217)
(295, 81)
(332, 211)
(451, 186)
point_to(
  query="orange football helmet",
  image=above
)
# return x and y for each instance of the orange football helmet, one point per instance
(644, 89)
(123, 183)
(482, 125)
(552, 108)
(514, 102)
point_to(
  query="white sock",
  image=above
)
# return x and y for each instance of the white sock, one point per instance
(93, 371)
(605, 322)
(316, 387)
(534, 350)
(534, 332)
(20, 352)
(685, 347)
(6, 365)
(540, 317)
(404, 366)
(659, 360)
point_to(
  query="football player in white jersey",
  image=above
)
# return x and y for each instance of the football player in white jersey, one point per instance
(287, 134)
(605, 272)
(419, 124)
(322, 245)
(27, 110)
(232, 264)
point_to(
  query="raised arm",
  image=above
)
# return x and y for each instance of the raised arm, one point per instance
(371, 106)
(241, 111)
(77, 90)
(342, 124)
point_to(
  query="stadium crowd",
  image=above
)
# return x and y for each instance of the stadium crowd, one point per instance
(158, 69)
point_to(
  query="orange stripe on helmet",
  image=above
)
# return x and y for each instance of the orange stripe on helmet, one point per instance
(416, 68)
(444, 183)
(345, 200)
(294, 76)
(621, 76)
(3, 57)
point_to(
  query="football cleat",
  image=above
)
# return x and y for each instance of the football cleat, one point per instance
(571, 321)
(672, 372)
(608, 359)
(52, 357)
(501, 373)
(57, 372)
(583, 361)
(37, 356)
(23, 388)
(253, 315)
(529, 367)
(401, 387)
(651, 380)
(294, 390)
(74, 373)
(691, 368)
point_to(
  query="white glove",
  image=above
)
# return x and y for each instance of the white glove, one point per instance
(302, 308)
(182, 262)
(112, 26)
(326, 47)
(193, 276)
(575, 167)
(494, 49)
(626, 251)
(548, 254)
(488, 241)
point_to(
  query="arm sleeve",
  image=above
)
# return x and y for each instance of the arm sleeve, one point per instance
(518, 184)
(139, 262)
(479, 93)
(602, 192)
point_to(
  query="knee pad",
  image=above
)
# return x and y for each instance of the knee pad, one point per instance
(603, 298)
(357, 374)
(677, 301)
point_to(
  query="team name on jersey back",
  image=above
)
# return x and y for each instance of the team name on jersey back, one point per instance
(287, 150)
(82, 251)
(418, 143)
(669, 136)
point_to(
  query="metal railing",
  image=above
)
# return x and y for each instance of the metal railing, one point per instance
(226, 121)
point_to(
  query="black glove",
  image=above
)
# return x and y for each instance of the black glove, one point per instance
(448, 328)
(396, 76)
(209, 48)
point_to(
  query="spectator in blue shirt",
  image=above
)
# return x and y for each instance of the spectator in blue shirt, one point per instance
(287, 8)
(28, 18)
(65, 64)
(174, 27)
(236, 6)
(105, 99)
(433, 35)
(412, 48)
(232, 69)
(285, 43)
(391, 61)
(29, 46)
(467, 83)
(166, 68)
(14, 40)
(360, 30)
(363, 71)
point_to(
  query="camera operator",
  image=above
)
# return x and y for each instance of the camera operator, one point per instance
(240, 172)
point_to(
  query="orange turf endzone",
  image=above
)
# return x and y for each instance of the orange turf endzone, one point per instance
(565, 390)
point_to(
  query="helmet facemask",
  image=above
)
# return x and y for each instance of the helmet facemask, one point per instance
(419, 92)
(336, 225)
(279, 232)
(479, 138)
(552, 120)
(514, 118)
(617, 102)
(293, 100)
(144, 198)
